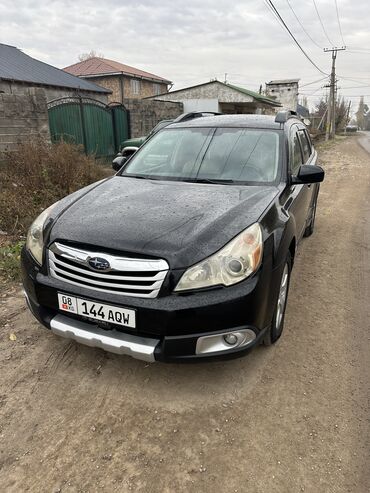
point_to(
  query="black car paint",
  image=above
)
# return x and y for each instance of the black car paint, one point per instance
(178, 221)
(184, 233)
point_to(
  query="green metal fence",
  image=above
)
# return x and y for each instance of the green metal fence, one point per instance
(97, 127)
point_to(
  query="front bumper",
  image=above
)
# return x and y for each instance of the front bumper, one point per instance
(168, 327)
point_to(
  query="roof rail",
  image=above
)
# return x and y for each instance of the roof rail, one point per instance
(184, 117)
(283, 116)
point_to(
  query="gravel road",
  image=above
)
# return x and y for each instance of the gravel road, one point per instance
(290, 418)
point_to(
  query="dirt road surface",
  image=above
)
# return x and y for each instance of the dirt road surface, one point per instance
(290, 418)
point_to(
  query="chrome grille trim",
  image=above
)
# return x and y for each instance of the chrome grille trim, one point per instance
(127, 276)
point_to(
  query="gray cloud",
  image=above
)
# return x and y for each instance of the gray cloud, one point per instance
(191, 42)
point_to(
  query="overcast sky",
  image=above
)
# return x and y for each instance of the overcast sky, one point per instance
(190, 42)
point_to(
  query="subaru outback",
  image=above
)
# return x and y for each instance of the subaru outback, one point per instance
(186, 252)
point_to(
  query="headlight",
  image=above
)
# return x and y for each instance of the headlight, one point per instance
(35, 237)
(240, 258)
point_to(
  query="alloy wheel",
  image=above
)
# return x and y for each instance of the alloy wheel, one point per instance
(281, 302)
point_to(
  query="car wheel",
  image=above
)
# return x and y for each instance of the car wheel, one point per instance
(309, 229)
(277, 323)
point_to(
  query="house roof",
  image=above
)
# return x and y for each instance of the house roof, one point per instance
(17, 66)
(255, 95)
(283, 81)
(97, 66)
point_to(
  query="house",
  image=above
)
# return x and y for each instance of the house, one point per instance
(122, 80)
(285, 91)
(28, 87)
(221, 97)
(20, 73)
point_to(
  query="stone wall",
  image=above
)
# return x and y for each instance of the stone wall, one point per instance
(51, 93)
(146, 113)
(147, 88)
(119, 83)
(212, 90)
(23, 117)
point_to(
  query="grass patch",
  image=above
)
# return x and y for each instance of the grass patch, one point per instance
(9, 261)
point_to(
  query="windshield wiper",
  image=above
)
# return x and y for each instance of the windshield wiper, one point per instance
(142, 177)
(214, 182)
(179, 178)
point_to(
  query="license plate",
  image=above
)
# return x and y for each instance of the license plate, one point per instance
(97, 311)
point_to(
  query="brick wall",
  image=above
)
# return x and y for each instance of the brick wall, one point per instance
(145, 114)
(112, 83)
(147, 89)
(115, 82)
(22, 117)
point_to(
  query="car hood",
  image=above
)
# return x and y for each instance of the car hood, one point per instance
(178, 221)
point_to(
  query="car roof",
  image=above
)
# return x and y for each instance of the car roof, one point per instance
(253, 121)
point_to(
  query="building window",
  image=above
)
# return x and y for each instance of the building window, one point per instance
(135, 86)
(157, 89)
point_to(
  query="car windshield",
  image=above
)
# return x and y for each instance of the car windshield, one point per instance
(222, 155)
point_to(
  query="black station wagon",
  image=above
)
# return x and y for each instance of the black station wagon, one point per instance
(186, 253)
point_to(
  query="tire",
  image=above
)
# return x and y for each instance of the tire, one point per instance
(277, 323)
(310, 228)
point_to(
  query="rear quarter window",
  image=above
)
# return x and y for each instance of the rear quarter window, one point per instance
(306, 145)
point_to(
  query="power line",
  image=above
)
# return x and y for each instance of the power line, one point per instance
(358, 79)
(322, 25)
(313, 82)
(302, 26)
(340, 27)
(277, 14)
(360, 52)
(359, 48)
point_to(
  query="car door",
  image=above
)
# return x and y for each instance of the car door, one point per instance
(309, 157)
(299, 195)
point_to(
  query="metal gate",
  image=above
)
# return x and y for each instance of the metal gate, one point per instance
(97, 127)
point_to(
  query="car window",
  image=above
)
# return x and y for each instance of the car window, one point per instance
(306, 147)
(241, 154)
(296, 155)
(222, 154)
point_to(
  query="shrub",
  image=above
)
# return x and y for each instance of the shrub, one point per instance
(38, 174)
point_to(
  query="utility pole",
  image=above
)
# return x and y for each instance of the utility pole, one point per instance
(330, 122)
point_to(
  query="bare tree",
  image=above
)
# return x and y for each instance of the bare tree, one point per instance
(361, 112)
(92, 54)
(341, 112)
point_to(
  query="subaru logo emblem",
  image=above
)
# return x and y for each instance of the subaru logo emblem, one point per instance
(98, 263)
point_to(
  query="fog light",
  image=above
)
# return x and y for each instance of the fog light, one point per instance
(226, 341)
(230, 339)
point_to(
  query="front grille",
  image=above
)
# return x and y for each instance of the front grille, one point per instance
(128, 276)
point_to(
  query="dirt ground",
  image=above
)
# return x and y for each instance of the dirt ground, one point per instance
(290, 418)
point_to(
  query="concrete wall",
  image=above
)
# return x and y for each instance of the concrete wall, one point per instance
(213, 91)
(287, 94)
(51, 93)
(146, 113)
(201, 105)
(119, 83)
(23, 117)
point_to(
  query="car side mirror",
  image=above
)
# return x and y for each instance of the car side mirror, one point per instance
(118, 162)
(309, 173)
